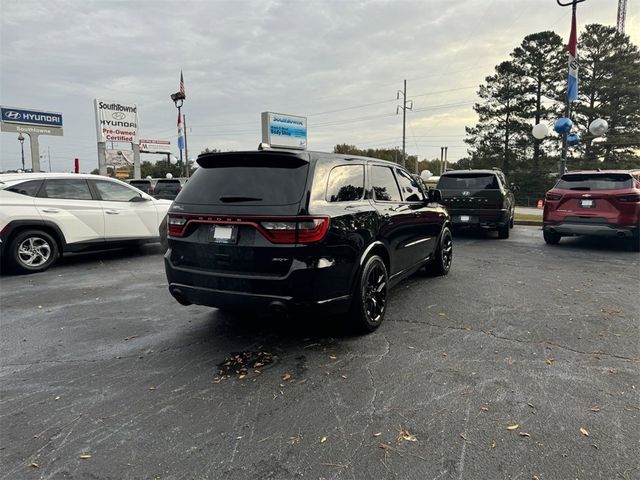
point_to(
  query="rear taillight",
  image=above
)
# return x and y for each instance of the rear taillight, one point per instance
(552, 196)
(176, 225)
(302, 230)
(629, 198)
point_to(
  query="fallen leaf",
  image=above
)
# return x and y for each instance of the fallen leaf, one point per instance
(535, 477)
(241, 376)
(513, 427)
(407, 436)
(549, 360)
(344, 376)
(85, 456)
(524, 434)
(493, 444)
(462, 436)
(152, 388)
(484, 409)
(323, 439)
(595, 409)
(333, 357)
(57, 398)
(444, 354)
(411, 348)
(584, 431)
(531, 405)
(594, 446)
(377, 434)
(34, 465)
(384, 446)
(442, 314)
(286, 376)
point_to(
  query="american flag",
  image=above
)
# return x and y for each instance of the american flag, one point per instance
(572, 83)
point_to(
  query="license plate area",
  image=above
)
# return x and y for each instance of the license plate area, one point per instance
(223, 234)
(465, 218)
(587, 203)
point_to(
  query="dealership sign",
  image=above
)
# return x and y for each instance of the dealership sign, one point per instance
(155, 146)
(30, 117)
(119, 158)
(116, 122)
(284, 131)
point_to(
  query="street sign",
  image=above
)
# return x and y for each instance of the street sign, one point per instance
(30, 117)
(155, 146)
(280, 130)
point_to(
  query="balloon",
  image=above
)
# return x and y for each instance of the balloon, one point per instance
(540, 131)
(174, 160)
(425, 175)
(573, 139)
(148, 177)
(168, 175)
(563, 125)
(598, 127)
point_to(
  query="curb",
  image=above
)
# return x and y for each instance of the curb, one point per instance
(528, 222)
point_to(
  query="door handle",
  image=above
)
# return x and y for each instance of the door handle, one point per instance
(50, 210)
(112, 212)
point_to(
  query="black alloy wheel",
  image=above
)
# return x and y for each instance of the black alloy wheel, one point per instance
(370, 305)
(443, 258)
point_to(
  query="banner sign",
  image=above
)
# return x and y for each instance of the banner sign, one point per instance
(30, 130)
(284, 131)
(116, 122)
(155, 146)
(30, 117)
(119, 158)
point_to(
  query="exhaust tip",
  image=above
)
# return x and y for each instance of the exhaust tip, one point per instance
(179, 296)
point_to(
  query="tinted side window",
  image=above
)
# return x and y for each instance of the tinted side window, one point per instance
(114, 192)
(29, 188)
(409, 187)
(71, 189)
(384, 184)
(346, 183)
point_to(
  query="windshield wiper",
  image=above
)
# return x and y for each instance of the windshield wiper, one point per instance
(238, 198)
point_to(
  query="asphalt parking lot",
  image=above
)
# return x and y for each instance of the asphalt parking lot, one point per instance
(522, 363)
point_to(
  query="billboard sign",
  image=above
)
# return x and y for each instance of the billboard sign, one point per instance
(280, 130)
(30, 117)
(155, 146)
(116, 122)
(119, 158)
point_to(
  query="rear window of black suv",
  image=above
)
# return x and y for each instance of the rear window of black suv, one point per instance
(468, 181)
(247, 179)
(595, 181)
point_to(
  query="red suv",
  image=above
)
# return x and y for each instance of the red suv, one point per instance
(600, 203)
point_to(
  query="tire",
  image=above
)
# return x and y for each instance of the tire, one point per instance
(503, 231)
(551, 238)
(32, 251)
(443, 258)
(634, 242)
(370, 296)
(511, 221)
(162, 231)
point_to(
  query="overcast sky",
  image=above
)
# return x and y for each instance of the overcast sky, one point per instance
(338, 62)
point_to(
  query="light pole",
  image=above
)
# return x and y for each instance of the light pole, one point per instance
(21, 140)
(178, 99)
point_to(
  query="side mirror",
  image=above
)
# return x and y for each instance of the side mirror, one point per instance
(139, 198)
(434, 195)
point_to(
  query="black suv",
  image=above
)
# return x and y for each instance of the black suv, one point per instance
(167, 188)
(478, 199)
(284, 230)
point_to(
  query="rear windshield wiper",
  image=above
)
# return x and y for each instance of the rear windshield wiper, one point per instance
(238, 198)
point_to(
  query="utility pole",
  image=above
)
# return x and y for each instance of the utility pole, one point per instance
(622, 15)
(49, 155)
(406, 105)
(445, 158)
(441, 161)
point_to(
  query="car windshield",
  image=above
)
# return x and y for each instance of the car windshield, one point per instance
(167, 185)
(249, 179)
(468, 181)
(595, 181)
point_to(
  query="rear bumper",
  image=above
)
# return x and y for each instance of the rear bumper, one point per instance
(594, 229)
(303, 287)
(479, 218)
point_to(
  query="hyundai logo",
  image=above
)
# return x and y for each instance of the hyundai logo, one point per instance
(12, 115)
(118, 115)
(466, 194)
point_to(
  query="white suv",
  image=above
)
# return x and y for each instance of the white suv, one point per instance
(43, 215)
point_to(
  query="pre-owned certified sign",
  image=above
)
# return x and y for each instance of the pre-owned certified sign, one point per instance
(30, 117)
(116, 122)
(284, 131)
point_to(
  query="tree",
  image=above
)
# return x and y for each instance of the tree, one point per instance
(541, 59)
(501, 119)
(609, 89)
